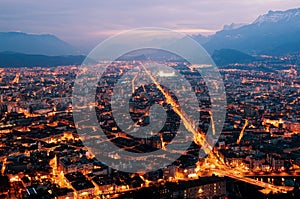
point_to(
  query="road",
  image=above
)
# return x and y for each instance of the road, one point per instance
(220, 168)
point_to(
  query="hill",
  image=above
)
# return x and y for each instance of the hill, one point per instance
(12, 59)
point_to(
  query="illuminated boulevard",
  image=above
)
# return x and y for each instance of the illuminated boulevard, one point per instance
(216, 166)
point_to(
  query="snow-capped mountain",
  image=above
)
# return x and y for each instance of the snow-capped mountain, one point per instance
(233, 26)
(277, 32)
(278, 16)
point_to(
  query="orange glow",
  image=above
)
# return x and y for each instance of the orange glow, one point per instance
(219, 167)
(242, 132)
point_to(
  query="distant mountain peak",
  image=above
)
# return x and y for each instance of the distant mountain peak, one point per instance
(28, 43)
(275, 33)
(20, 33)
(233, 26)
(277, 16)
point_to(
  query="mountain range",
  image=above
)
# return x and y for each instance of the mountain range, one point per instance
(44, 44)
(274, 33)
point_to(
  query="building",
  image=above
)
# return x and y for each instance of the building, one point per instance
(203, 188)
(63, 193)
(170, 172)
(69, 165)
(211, 187)
(83, 188)
(277, 164)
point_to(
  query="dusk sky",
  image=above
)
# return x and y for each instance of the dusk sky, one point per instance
(85, 23)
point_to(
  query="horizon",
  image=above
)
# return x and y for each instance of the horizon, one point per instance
(84, 28)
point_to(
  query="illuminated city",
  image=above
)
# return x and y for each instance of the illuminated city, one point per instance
(96, 104)
(40, 148)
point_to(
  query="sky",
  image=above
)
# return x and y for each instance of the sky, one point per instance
(84, 23)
